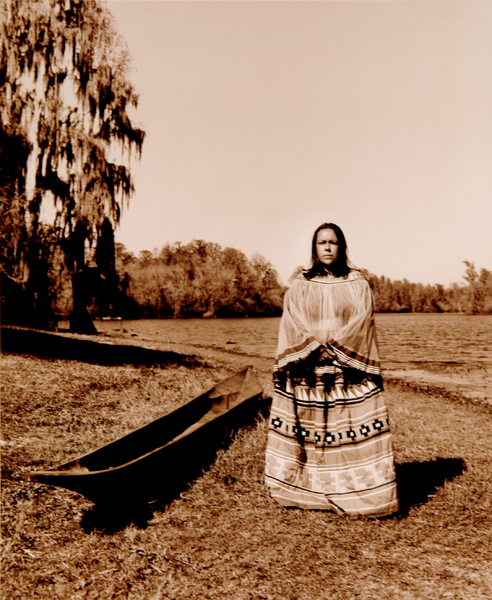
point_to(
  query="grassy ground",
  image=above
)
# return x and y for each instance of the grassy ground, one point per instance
(224, 537)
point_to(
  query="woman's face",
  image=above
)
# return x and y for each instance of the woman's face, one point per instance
(327, 247)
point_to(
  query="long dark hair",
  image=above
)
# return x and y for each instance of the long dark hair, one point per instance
(341, 268)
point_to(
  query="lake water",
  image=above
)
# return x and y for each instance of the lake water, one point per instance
(402, 337)
(450, 350)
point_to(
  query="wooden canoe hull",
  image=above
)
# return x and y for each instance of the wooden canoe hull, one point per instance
(161, 457)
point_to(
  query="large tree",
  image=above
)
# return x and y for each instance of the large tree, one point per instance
(65, 103)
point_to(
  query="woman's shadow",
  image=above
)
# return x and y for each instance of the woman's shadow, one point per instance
(418, 481)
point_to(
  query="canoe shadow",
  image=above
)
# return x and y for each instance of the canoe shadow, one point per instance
(418, 481)
(43, 344)
(111, 516)
(109, 519)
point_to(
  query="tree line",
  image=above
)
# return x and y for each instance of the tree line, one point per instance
(203, 279)
(197, 279)
(473, 296)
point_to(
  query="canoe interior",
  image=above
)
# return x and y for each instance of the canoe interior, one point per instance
(197, 412)
(165, 454)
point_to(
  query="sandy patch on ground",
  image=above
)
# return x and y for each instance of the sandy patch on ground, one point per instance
(470, 380)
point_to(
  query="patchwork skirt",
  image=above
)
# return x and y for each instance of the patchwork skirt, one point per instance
(329, 447)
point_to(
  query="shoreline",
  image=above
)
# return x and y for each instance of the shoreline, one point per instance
(471, 382)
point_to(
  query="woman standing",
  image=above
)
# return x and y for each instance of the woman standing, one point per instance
(329, 444)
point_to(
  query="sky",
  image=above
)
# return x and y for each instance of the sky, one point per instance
(265, 119)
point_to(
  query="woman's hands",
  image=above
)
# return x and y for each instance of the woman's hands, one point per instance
(326, 353)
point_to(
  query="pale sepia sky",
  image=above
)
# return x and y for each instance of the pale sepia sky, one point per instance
(266, 119)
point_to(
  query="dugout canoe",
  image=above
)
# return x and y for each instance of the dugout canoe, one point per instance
(164, 455)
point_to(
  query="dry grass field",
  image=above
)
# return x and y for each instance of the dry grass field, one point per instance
(224, 537)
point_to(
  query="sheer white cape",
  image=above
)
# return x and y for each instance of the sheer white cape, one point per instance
(336, 316)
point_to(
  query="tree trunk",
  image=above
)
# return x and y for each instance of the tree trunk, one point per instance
(80, 320)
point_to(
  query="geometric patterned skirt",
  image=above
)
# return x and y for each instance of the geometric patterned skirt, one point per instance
(329, 447)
